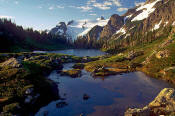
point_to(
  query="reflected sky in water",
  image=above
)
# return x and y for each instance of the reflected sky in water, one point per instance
(80, 52)
(110, 96)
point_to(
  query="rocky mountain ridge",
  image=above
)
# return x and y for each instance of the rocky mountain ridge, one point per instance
(145, 23)
(141, 24)
(151, 17)
(114, 24)
(77, 28)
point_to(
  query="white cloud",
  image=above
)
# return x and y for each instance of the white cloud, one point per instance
(54, 7)
(7, 17)
(107, 3)
(16, 2)
(139, 3)
(91, 1)
(85, 8)
(102, 6)
(93, 14)
(116, 2)
(51, 7)
(122, 9)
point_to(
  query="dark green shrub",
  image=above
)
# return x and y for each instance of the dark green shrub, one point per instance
(13, 108)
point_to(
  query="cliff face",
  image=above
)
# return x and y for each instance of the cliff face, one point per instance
(145, 23)
(163, 15)
(140, 24)
(94, 33)
(114, 24)
(91, 37)
(60, 29)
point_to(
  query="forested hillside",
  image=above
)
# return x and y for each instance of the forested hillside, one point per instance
(14, 38)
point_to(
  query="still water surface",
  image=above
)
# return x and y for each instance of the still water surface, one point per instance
(109, 96)
(76, 52)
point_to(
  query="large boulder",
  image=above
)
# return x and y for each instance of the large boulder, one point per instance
(78, 66)
(162, 54)
(29, 91)
(134, 54)
(74, 73)
(12, 62)
(163, 104)
(138, 112)
(103, 71)
(28, 99)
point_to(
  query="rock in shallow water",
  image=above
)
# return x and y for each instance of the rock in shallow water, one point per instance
(86, 97)
(163, 104)
(12, 62)
(78, 66)
(29, 91)
(61, 104)
(28, 99)
(74, 73)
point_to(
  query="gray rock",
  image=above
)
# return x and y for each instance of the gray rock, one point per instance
(12, 62)
(163, 104)
(162, 54)
(61, 104)
(28, 99)
(138, 112)
(29, 91)
(134, 54)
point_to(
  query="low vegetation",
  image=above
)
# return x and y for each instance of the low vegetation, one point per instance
(14, 38)
(72, 73)
(24, 82)
(27, 85)
(78, 66)
(143, 58)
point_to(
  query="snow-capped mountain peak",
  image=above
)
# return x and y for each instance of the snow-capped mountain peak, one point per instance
(79, 28)
(147, 9)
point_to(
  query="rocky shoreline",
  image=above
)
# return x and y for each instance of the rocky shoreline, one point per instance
(162, 105)
(32, 70)
(24, 83)
(135, 61)
(31, 93)
(35, 67)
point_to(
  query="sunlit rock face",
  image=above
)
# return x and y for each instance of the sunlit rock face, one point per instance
(12, 62)
(114, 24)
(163, 104)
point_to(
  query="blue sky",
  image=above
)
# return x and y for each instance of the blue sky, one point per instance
(45, 14)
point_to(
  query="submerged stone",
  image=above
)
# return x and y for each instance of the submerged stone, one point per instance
(61, 104)
(86, 97)
(74, 73)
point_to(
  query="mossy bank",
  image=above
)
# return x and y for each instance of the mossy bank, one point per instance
(24, 82)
